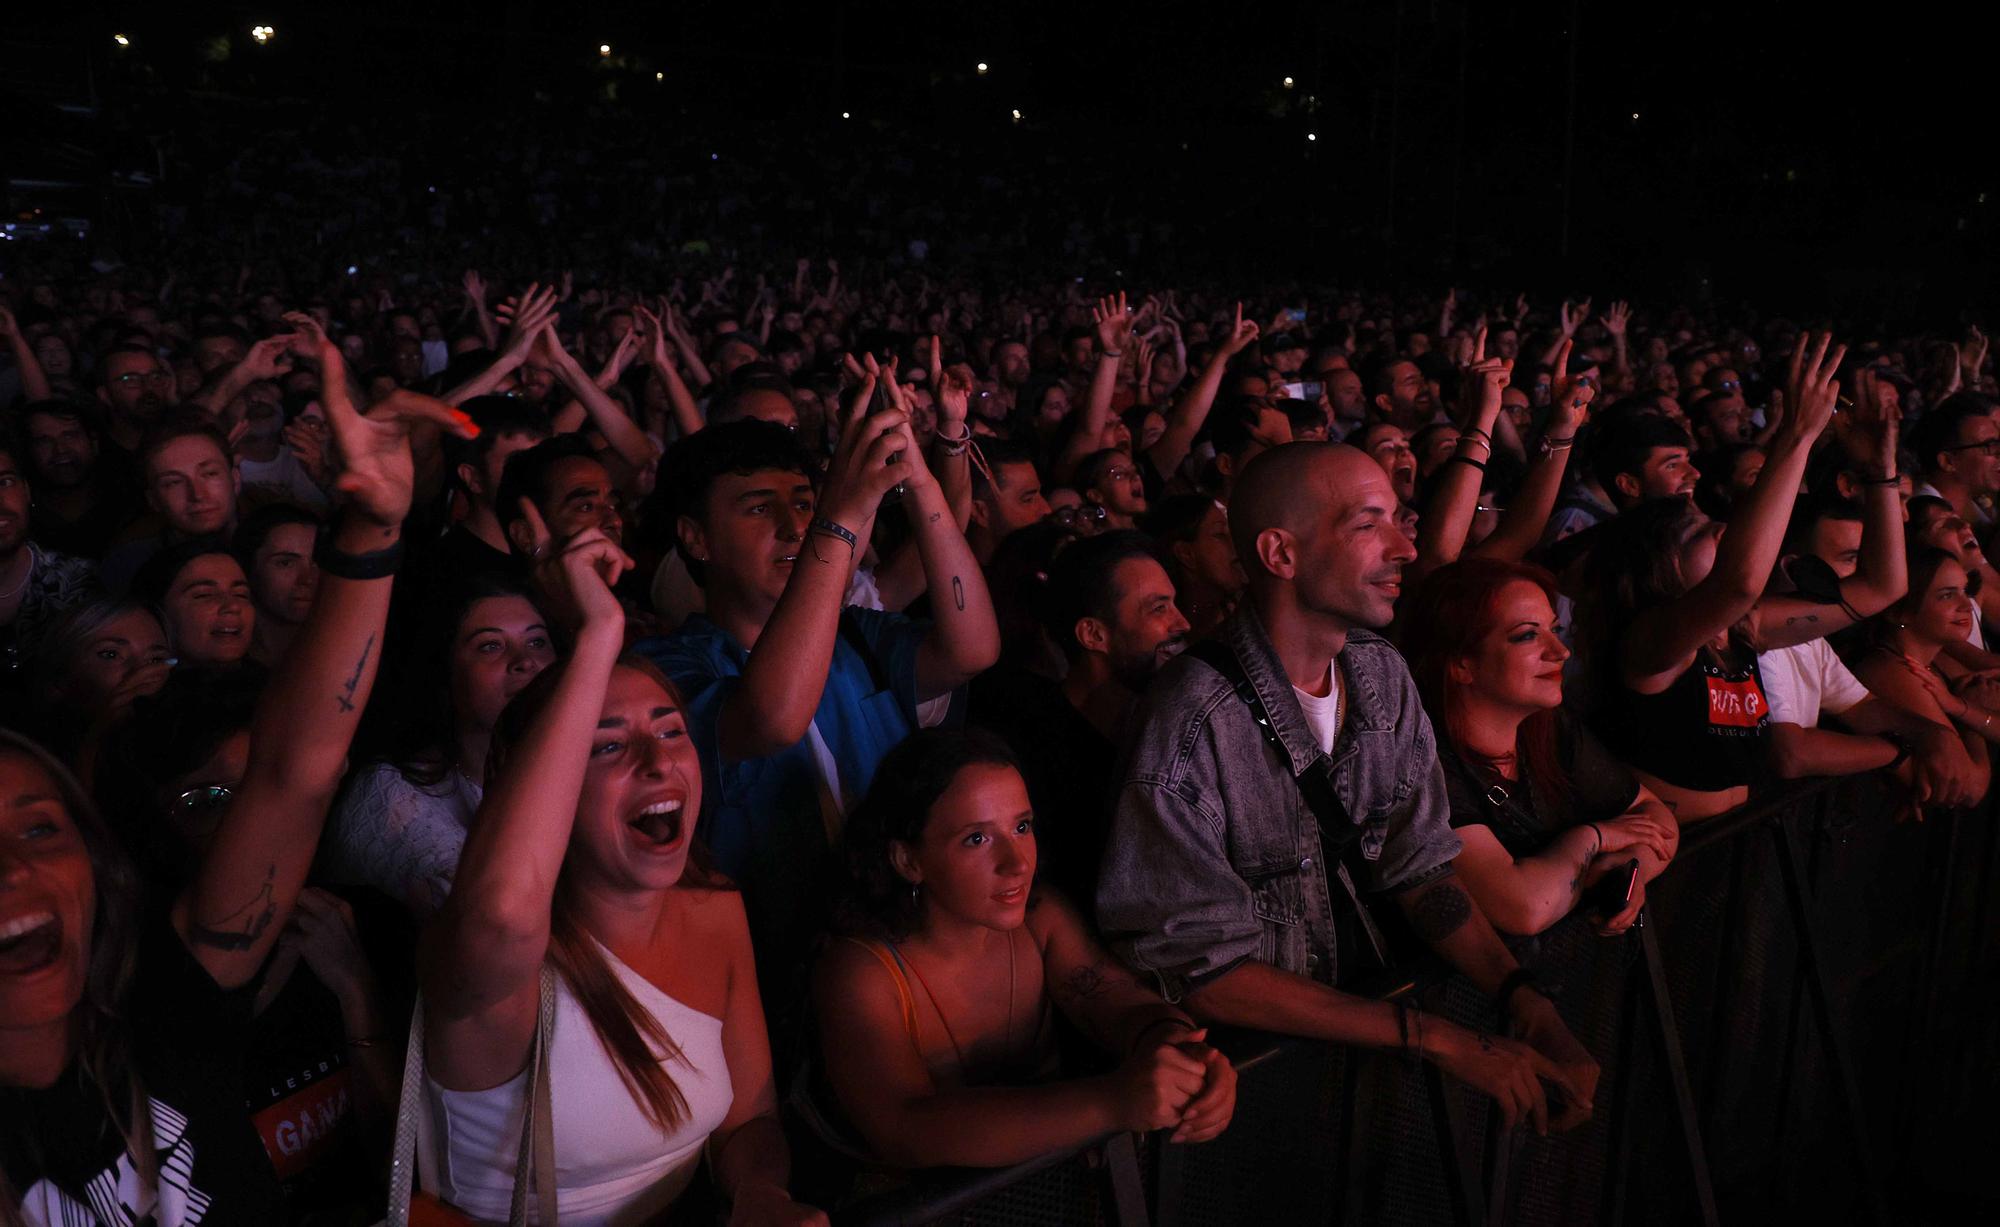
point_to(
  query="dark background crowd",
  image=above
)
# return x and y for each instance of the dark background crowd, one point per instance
(839, 595)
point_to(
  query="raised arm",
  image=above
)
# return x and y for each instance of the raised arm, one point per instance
(773, 702)
(1190, 412)
(1882, 575)
(964, 638)
(1441, 533)
(475, 303)
(250, 876)
(266, 359)
(1114, 331)
(1661, 641)
(687, 415)
(618, 429)
(482, 955)
(1528, 509)
(526, 318)
(34, 381)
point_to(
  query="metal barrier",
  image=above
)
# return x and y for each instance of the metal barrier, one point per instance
(1788, 939)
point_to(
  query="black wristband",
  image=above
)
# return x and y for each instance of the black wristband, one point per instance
(1516, 980)
(1461, 459)
(1902, 751)
(377, 564)
(820, 524)
(1894, 479)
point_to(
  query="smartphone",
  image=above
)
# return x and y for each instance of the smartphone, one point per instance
(1309, 390)
(1296, 315)
(1613, 892)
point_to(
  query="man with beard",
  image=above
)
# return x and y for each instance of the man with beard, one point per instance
(82, 497)
(1010, 373)
(136, 390)
(1110, 607)
(1285, 768)
(1006, 497)
(1403, 396)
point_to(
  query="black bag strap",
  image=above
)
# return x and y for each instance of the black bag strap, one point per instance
(1339, 835)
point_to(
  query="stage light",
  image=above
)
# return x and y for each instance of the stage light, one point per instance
(981, 68)
(263, 34)
(604, 49)
(846, 115)
(1017, 115)
(1312, 136)
(121, 40)
(1288, 83)
(659, 76)
(1635, 115)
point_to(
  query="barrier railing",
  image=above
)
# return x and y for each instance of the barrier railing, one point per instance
(1787, 939)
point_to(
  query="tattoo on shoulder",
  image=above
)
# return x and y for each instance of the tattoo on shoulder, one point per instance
(1440, 911)
(240, 929)
(353, 683)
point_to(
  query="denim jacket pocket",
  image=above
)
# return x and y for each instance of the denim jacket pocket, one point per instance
(1277, 895)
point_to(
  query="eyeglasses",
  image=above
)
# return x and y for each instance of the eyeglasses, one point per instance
(1073, 517)
(132, 379)
(205, 799)
(1730, 385)
(1990, 446)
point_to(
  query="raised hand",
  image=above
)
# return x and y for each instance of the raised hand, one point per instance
(1810, 387)
(1113, 321)
(1240, 334)
(1616, 319)
(874, 455)
(307, 440)
(475, 286)
(1871, 426)
(1972, 353)
(269, 358)
(526, 317)
(1570, 316)
(575, 577)
(1569, 398)
(309, 341)
(377, 473)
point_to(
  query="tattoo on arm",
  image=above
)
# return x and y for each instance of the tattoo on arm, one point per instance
(936, 516)
(1440, 911)
(1798, 618)
(1088, 983)
(346, 696)
(958, 593)
(240, 929)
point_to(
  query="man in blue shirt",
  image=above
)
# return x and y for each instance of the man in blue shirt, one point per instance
(791, 698)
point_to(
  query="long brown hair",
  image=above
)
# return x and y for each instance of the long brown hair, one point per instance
(1456, 607)
(635, 1040)
(104, 1040)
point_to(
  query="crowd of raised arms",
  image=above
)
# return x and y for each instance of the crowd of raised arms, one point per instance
(757, 711)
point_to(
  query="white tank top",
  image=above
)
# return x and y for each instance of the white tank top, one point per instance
(613, 1166)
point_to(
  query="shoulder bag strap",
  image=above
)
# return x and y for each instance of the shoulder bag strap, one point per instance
(403, 1155)
(1315, 785)
(536, 1164)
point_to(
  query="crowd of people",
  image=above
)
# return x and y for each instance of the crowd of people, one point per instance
(780, 727)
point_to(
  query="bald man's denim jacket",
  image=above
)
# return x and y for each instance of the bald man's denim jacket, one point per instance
(1214, 856)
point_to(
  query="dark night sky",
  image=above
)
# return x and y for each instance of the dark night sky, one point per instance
(1780, 152)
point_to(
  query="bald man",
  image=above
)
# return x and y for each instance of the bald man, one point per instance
(1241, 851)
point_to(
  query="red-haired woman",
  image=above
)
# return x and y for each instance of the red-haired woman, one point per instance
(1543, 810)
(578, 858)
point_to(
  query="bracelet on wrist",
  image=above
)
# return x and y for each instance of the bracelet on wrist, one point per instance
(1902, 751)
(826, 527)
(1461, 458)
(1111, 353)
(375, 564)
(1893, 479)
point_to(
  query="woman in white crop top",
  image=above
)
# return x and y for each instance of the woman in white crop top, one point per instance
(579, 857)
